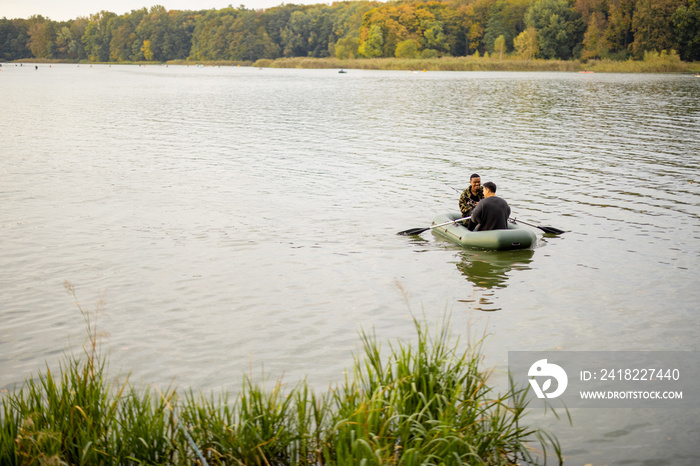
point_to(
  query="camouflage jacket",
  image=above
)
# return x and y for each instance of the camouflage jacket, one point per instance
(467, 201)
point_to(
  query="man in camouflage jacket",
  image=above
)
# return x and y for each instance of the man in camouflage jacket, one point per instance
(471, 196)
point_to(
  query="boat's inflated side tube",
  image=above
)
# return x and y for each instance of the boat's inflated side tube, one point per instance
(515, 237)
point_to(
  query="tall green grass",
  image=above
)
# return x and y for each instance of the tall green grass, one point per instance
(426, 402)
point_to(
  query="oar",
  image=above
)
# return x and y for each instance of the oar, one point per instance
(418, 231)
(550, 230)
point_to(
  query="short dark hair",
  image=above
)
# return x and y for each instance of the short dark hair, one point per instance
(474, 175)
(491, 185)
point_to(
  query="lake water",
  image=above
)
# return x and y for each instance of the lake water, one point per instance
(223, 221)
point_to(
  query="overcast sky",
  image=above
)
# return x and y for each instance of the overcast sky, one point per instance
(61, 10)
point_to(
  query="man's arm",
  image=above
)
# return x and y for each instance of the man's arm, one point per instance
(465, 203)
(475, 216)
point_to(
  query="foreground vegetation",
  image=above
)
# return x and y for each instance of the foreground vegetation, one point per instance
(423, 403)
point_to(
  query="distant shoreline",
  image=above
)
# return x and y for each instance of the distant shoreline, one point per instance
(433, 64)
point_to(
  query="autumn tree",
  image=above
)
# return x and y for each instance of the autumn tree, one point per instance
(347, 21)
(475, 16)
(42, 37)
(385, 26)
(525, 44)
(561, 29)
(499, 46)
(594, 43)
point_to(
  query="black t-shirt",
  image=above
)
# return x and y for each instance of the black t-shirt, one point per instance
(490, 214)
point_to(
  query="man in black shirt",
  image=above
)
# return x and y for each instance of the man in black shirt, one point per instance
(491, 213)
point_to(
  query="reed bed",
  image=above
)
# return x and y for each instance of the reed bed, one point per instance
(421, 403)
(427, 64)
(642, 66)
(652, 63)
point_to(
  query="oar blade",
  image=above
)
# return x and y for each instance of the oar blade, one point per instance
(412, 231)
(552, 230)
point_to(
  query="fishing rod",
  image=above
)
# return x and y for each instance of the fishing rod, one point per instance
(197, 451)
(449, 185)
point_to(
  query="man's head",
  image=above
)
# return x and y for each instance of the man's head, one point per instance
(475, 182)
(489, 188)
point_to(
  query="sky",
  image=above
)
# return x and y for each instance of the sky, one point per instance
(62, 10)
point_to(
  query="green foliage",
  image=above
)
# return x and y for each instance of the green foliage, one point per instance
(559, 28)
(42, 38)
(371, 46)
(98, 36)
(434, 36)
(429, 53)
(347, 48)
(507, 19)
(14, 40)
(686, 23)
(406, 49)
(653, 25)
(422, 402)
(618, 33)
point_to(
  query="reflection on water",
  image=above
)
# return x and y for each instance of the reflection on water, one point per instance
(491, 269)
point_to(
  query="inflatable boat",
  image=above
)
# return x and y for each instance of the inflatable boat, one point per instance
(515, 237)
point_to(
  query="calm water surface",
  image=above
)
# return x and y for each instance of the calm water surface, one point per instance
(223, 221)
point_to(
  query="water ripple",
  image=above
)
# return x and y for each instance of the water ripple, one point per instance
(233, 219)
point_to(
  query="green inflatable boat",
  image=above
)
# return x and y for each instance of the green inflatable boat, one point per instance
(515, 237)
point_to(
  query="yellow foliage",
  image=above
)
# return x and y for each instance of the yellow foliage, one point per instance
(146, 49)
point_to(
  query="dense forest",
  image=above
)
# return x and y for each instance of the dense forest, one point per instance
(550, 29)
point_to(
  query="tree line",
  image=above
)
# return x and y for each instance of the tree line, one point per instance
(550, 29)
